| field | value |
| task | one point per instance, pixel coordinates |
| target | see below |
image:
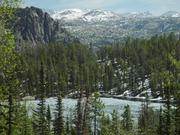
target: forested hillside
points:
(137, 66)
(66, 66)
(140, 65)
(57, 70)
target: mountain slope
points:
(171, 14)
(100, 27)
(34, 26)
(94, 15)
(68, 14)
(84, 15)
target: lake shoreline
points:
(135, 99)
(127, 98)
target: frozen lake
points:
(110, 105)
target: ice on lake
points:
(110, 105)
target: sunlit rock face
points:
(34, 26)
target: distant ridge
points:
(96, 27)
(101, 27)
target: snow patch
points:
(127, 93)
(68, 14)
(145, 93)
(176, 15)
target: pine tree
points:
(86, 117)
(40, 122)
(72, 121)
(96, 110)
(48, 116)
(177, 114)
(23, 122)
(127, 121)
(160, 126)
(115, 125)
(59, 119)
(147, 121)
(105, 125)
(176, 94)
(168, 117)
(177, 118)
(10, 67)
(79, 116)
(10, 119)
(67, 125)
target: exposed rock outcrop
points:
(34, 26)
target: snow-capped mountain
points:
(138, 14)
(95, 15)
(85, 15)
(99, 15)
(100, 27)
(171, 14)
(96, 27)
(68, 14)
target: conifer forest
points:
(134, 70)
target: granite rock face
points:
(32, 25)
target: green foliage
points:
(147, 121)
(116, 124)
(138, 65)
(96, 109)
(49, 118)
(105, 125)
(59, 128)
(9, 71)
(40, 123)
(127, 121)
(67, 66)
(53, 69)
(7, 10)
(23, 123)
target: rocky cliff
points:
(32, 25)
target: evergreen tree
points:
(40, 122)
(79, 116)
(67, 125)
(9, 70)
(175, 62)
(147, 121)
(177, 115)
(23, 123)
(168, 116)
(160, 126)
(96, 109)
(48, 116)
(115, 125)
(105, 125)
(127, 121)
(86, 117)
(59, 119)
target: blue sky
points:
(154, 6)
